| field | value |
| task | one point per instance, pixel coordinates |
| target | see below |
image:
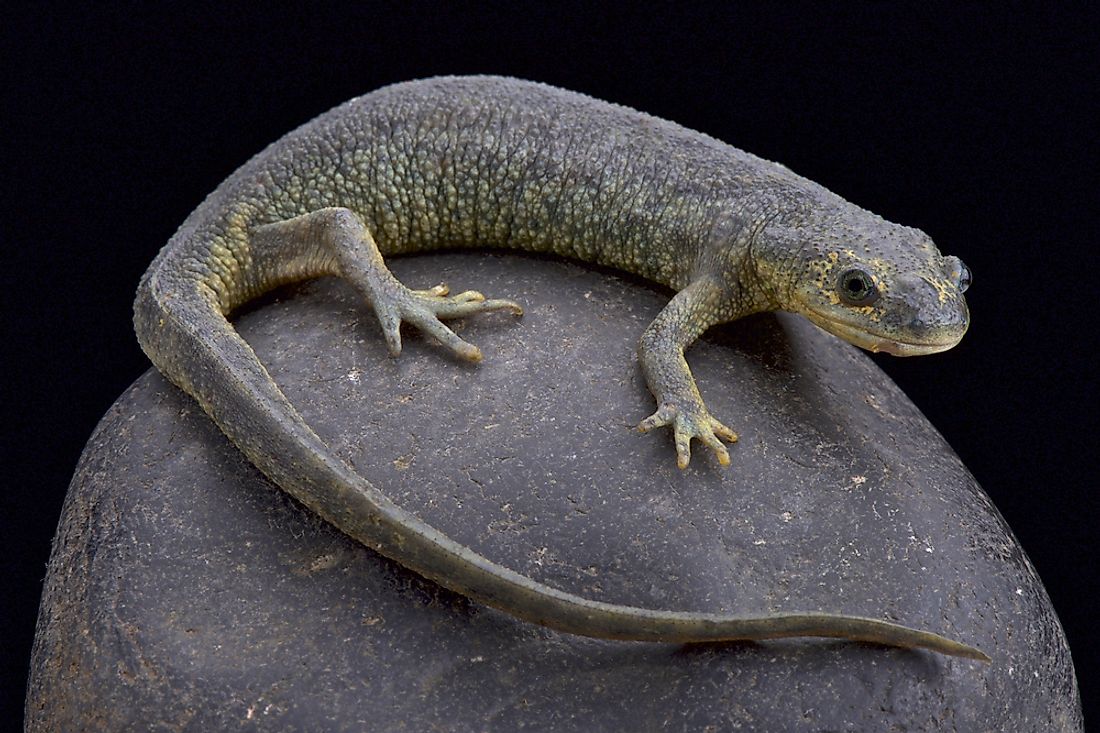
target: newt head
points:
(880, 286)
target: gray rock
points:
(187, 593)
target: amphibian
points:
(501, 163)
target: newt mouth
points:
(864, 339)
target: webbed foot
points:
(690, 419)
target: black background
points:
(970, 124)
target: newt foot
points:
(691, 420)
(426, 309)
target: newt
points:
(490, 162)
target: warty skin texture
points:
(493, 162)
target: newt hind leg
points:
(341, 237)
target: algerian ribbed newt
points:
(501, 163)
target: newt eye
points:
(856, 287)
(964, 277)
(959, 273)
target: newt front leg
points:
(692, 311)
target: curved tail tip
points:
(958, 649)
(970, 652)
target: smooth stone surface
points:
(187, 593)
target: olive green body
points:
(491, 162)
